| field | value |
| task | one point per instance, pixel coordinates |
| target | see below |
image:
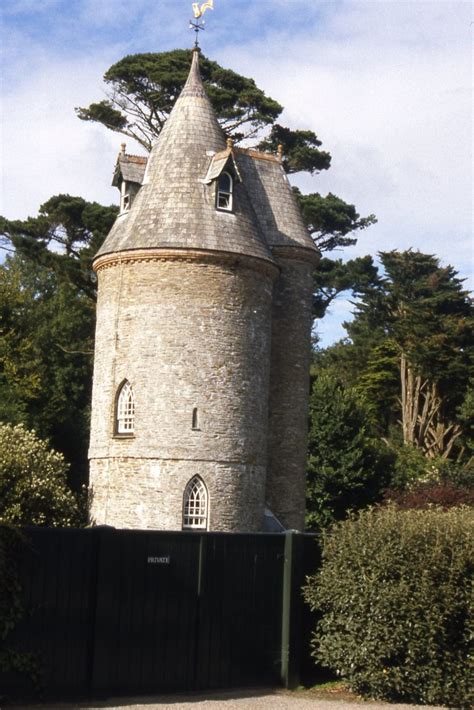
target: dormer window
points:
(224, 194)
(125, 196)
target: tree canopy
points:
(410, 350)
(64, 238)
(46, 357)
(143, 88)
(347, 466)
(329, 220)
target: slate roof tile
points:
(175, 209)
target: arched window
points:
(195, 505)
(125, 410)
(225, 189)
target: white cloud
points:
(387, 88)
(47, 149)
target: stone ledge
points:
(187, 255)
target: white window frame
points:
(125, 200)
(195, 505)
(225, 198)
(125, 410)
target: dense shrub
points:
(33, 488)
(393, 595)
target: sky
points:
(385, 84)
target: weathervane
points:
(198, 11)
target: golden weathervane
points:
(198, 11)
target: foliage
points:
(329, 220)
(46, 357)
(143, 89)
(33, 489)
(12, 607)
(64, 238)
(465, 414)
(428, 495)
(395, 603)
(415, 323)
(420, 482)
(331, 276)
(346, 467)
(47, 301)
(300, 150)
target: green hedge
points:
(394, 599)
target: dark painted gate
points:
(133, 612)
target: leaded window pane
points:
(126, 410)
(195, 505)
(224, 192)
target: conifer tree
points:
(417, 321)
(347, 466)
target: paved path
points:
(244, 700)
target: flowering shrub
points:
(443, 495)
(33, 487)
(395, 605)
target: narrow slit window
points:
(125, 419)
(195, 420)
(225, 189)
(195, 505)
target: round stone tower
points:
(201, 369)
(183, 340)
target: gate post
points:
(291, 610)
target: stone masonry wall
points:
(289, 392)
(186, 335)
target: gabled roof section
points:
(219, 162)
(130, 168)
(275, 205)
(174, 209)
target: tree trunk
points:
(422, 419)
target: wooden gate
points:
(119, 612)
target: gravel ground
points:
(243, 700)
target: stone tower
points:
(202, 353)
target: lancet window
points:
(125, 409)
(195, 505)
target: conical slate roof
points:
(175, 208)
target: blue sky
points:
(386, 85)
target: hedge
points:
(394, 603)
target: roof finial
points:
(196, 24)
(230, 143)
(122, 148)
(280, 151)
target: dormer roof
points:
(130, 168)
(220, 162)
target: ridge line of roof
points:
(128, 156)
(260, 155)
